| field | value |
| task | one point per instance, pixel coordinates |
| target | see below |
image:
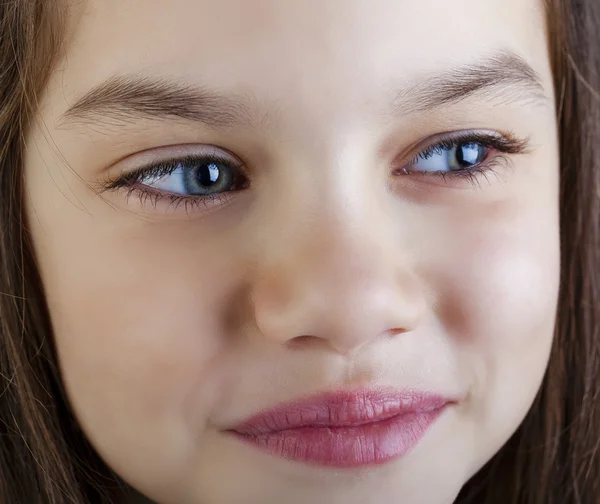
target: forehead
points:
(331, 48)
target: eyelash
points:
(505, 144)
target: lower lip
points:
(351, 446)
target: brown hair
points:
(553, 458)
(44, 458)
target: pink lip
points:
(344, 429)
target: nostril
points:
(301, 342)
(397, 331)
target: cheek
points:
(499, 307)
(140, 342)
(503, 292)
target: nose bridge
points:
(339, 250)
(333, 215)
(345, 263)
(334, 235)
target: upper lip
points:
(346, 408)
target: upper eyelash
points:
(162, 168)
(505, 144)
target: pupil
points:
(468, 154)
(208, 174)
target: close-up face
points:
(301, 251)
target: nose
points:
(337, 283)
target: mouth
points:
(344, 429)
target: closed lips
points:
(344, 429)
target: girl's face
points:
(353, 198)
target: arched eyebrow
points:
(504, 76)
(128, 98)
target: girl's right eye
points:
(191, 180)
(193, 177)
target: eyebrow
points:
(127, 98)
(504, 76)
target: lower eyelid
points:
(174, 202)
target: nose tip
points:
(344, 306)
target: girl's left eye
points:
(465, 154)
(449, 158)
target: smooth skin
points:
(331, 269)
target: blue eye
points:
(192, 177)
(195, 180)
(449, 157)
